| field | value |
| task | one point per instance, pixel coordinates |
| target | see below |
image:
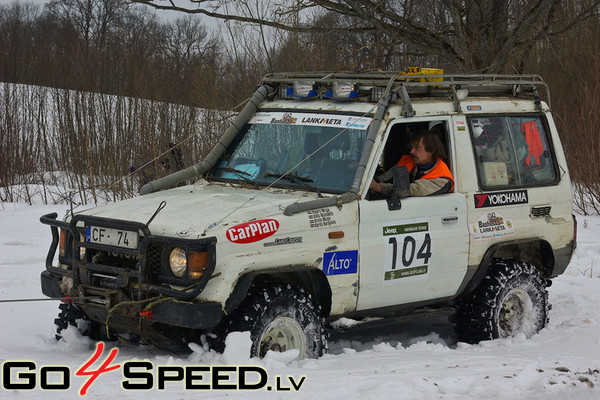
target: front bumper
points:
(127, 316)
(133, 292)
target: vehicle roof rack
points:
(409, 84)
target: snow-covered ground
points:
(410, 361)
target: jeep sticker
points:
(491, 225)
(407, 250)
(254, 231)
(340, 262)
(497, 199)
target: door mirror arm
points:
(400, 189)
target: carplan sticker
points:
(253, 231)
(491, 225)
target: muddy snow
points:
(410, 361)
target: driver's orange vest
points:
(440, 170)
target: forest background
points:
(89, 88)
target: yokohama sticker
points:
(254, 231)
(497, 199)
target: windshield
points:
(313, 151)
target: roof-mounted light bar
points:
(303, 90)
(342, 91)
(418, 82)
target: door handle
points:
(450, 220)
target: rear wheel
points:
(280, 317)
(512, 299)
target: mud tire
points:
(512, 299)
(280, 317)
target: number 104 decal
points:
(407, 250)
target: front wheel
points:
(512, 299)
(281, 317)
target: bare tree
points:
(474, 36)
(91, 19)
(571, 66)
(17, 22)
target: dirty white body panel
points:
(414, 254)
(383, 258)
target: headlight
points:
(178, 262)
(189, 264)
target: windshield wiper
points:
(296, 179)
(240, 174)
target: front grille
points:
(112, 258)
(112, 274)
(154, 258)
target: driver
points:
(429, 174)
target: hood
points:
(201, 209)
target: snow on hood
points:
(191, 209)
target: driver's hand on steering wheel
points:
(375, 186)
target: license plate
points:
(111, 237)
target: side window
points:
(398, 141)
(512, 150)
(398, 144)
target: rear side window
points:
(512, 151)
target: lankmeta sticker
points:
(253, 231)
(491, 225)
(340, 262)
(311, 119)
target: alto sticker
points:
(340, 262)
(254, 231)
(491, 225)
(501, 198)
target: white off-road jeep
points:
(279, 234)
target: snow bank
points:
(412, 361)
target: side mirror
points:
(401, 187)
